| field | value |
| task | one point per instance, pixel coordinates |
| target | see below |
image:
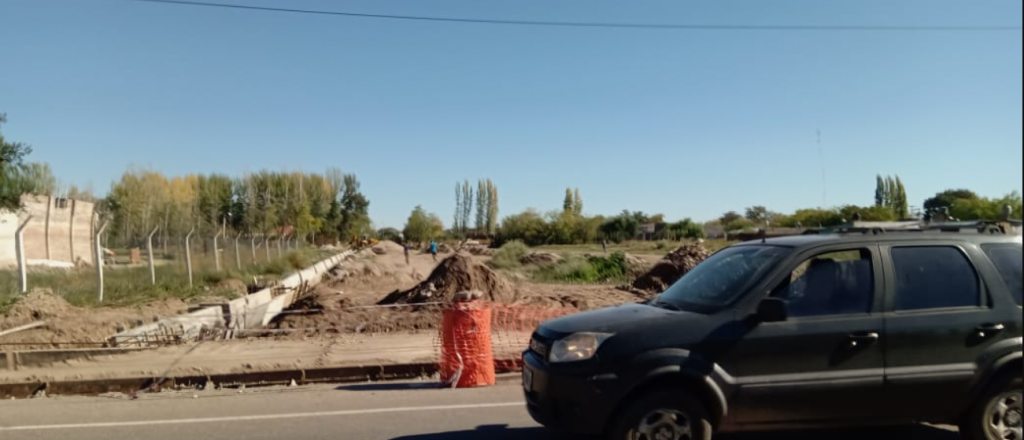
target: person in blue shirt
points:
(433, 250)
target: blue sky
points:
(687, 123)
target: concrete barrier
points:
(252, 311)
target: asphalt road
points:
(361, 412)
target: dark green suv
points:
(810, 331)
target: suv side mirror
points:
(772, 310)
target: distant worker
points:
(604, 245)
(405, 247)
(433, 250)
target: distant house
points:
(58, 230)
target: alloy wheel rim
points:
(663, 424)
(1003, 417)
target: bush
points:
(593, 269)
(298, 261)
(509, 255)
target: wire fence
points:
(186, 266)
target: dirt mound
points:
(455, 274)
(671, 268)
(68, 326)
(387, 247)
(329, 313)
(39, 304)
(541, 258)
(636, 267)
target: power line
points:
(696, 27)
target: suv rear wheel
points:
(663, 415)
(997, 416)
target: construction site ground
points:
(338, 324)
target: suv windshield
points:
(721, 279)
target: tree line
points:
(484, 200)
(310, 205)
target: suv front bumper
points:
(568, 402)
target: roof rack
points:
(978, 227)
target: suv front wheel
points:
(663, 415)
(997, 416)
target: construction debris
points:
(455, 274)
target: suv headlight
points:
(577, 347)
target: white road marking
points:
(357, 412)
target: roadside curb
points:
(325, 375)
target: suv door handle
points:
(989, 329)
(865, 338)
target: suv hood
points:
(626, 319)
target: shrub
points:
(594, 269)
(509, 255)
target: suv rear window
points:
(934, 277)
(1008, 260)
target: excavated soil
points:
(350, 305)
(458, 273)
(671, 268)
(68, 326)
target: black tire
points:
(645, 406)
(975, 425)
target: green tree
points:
(481, 206)
(12, 157)
(577, 203)
(947, 199)
(891, 194)
(492, 208)
(568, 203)
(683, 229)
(527, 226)
(457, 218)
(467, 205)
(355, 217)
(729, 217)
(813, 218)
(880, 190)
(867, 213)
(422, 226)
(902, 206)
(622, 227)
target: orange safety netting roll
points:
(467, 359)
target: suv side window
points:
(835, 283)
(1007, 258)
(934, 277)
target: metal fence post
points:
(280, 253)
(19, 248)
(216, 249)
(99, 259)
(238, 254)
(188, 255)
(266, 245)
(252, 247)
(149, 249)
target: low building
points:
(60, 230)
